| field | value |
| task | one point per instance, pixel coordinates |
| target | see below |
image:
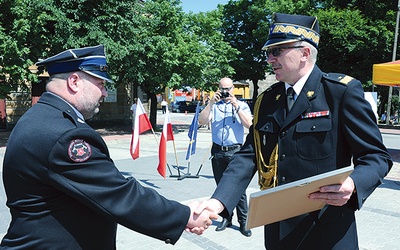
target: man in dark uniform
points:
(63, 190)
(323, 123)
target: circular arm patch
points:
(79, 150)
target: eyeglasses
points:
(278, 50)
(226, 89)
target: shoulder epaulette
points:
(338, 77)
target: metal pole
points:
(393, 59)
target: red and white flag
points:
(167, 135)
(142, 124)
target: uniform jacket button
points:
(283, 156)
(168, 241)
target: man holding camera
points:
(228, 117)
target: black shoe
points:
(224, 223)
(243, 230)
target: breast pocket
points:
(314, 139)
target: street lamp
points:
(393, 59)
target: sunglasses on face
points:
(278, 50)
(226, 89)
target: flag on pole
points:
(142, 124)
(192, 134)
(167, 135)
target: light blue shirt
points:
(226, 126)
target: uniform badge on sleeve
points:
(79, 150)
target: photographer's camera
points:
(224, 94)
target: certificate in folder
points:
(290, 200)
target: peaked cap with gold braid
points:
(293, 28)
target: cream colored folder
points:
(289, 200)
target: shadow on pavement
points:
(395, 153)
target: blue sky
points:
(201, 5)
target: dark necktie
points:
(290, 98)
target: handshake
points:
(202, 214)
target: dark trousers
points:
(164, 109)
(219, 163)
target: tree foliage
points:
(360, 33)
(151, 44)
(246, 27)
(217, 53)
(355, 34)
(350, 43)
(15, 57)
(173, 50)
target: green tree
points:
(174, 51)
(38, 29)
(350, 43)
(212, 55)
(355, 34)
(154, 45)
(376, 21)
(15, 49)
(245, 26)
(151, 44)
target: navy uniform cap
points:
(288, 28)
(91, 60)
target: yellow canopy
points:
(386, 73)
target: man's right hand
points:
(213, 205)
(199, 221)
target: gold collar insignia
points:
(310, 94)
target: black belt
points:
(227, 148)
